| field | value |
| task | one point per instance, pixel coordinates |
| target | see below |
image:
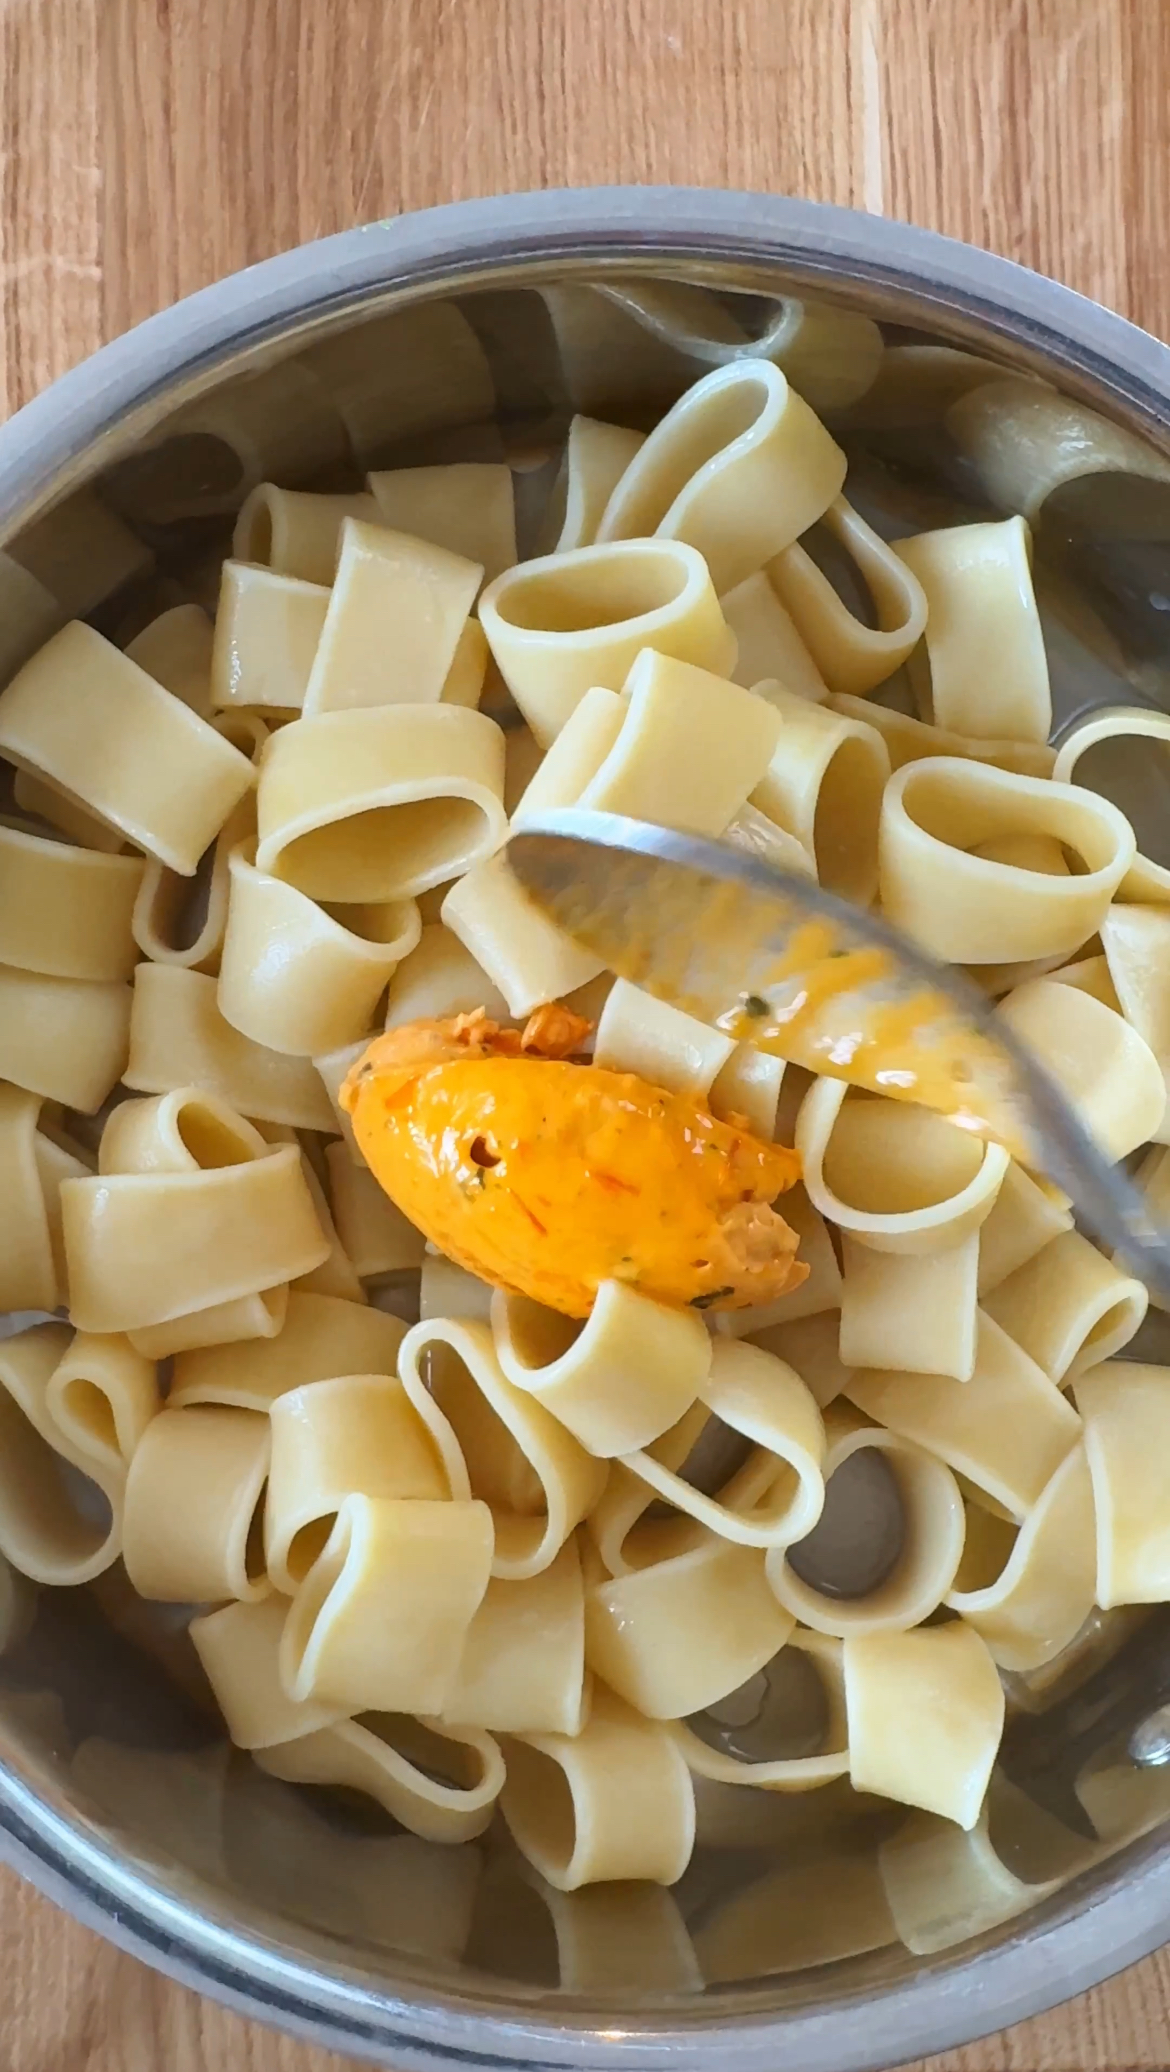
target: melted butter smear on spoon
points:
(768, 957)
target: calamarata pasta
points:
(549, 1408)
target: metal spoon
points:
(712, 930)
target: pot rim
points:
(62, 437)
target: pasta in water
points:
(546, 1407)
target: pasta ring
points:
(756, 1395)
(782, 1773)
(381, 802)
(631, 1805)
(395, 1762)
(677, 1635)
(1037, 1599)
(44, 1532)
(297, 978)
(852, 657)
(1143, 880)
(505, 1446)
(739, 469)
(958, 905)
(563, 624)
(932, 1543)
(948, 1180)
(380, 1620)
(193, 1496)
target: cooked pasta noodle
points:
(753, 1393)
(167, 924)
(912, 740)
(193, 1503)
(1007, 1429)
(467, 508)
(522, 1669)
(691, 748)
(622, 1792)
(376, 1236)
(824, 786)
(969, 909)
(102, 1396)
(622, 1527)
(1023, 1219)
(87, 718)
(770, 647)
(562, 624)
(925, 1714)
(447, 1290)
(912, 1311)
(1125, 1409)
(891, 1174)
(295, 533)
(1068, 1307)
(659, 1043)
(176, 649)
(440, 977)
(1143, 879)
(616, 1382)
(537, 1479)
(1136, 940)
(336, 1275)
(380, 1620)
(244, 1228)
(379, 804)
(574, 758)
(437, 1781)
(1096, 1058)
(178, 1037)
(267, 631)
(1025, 440)
(748, 1087)
(812, 1347)
(28, 1269)
(852, 657)
(674, 1637)
(50, 802)
(48, 1529)
(358, 1433)
(298, 978)
(932, 1530)
(239, 1647)
(396, 610)
(65, 911)
(63, 1038)
(1153, 1180)
(987, 672)
(527, 958)
(739, 469)
(821, 1657)
(1029, 1592)
(596, 456)
(322, 1336)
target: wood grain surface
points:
(151, 145)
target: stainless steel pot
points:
(468, 332)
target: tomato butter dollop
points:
(548, 1176)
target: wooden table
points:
(151, 145)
